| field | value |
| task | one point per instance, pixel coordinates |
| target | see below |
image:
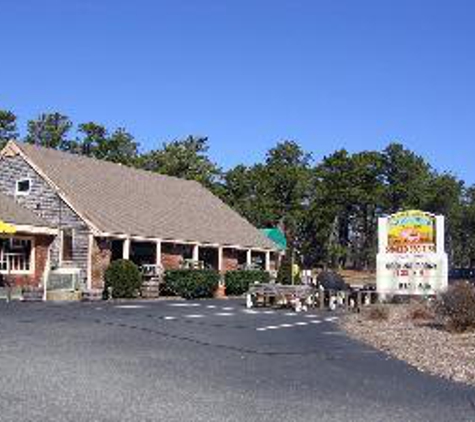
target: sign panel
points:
(411, 232)
(411, 257)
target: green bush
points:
(237, 282)
(124, 278)
(457, 307)
(192, 284)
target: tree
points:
(407, 178)
(246, 189)
(92, 136)
(186, 158)
(119, 147)
(49, 130)
(8, 127)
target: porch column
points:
(248, 257)
(158, 252)
(90, 260)
(220, 259)
(267, 261)
(196, 253)
(126, 249)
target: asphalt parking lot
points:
(204, 361)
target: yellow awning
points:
(6, 228)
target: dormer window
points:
(23, 186)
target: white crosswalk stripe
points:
(298, 324)
(331, 319)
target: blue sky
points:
(329, 74)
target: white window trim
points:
(25, 179)
(31, 271)
(61, 238)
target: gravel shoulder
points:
(422, 344)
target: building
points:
(89, 212)
(25, 241)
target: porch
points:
(169, 254)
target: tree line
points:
(328, 209)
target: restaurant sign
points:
(411, 258)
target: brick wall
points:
(42, 244)
(173, 255)
(230, 260)
(100, 260)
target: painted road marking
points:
(281, 326)
(211, 306)
(184, 305)
(228, 308)
(224, 314)
(130, 306)
(169, 318)
(331, 319)
(194, 316)
(311, 316)
(290, 314)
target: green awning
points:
(277, 236)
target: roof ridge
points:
(71, 155)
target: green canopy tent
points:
(277, 236)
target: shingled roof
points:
(120, 200)
(13, 213)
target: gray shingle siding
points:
(46, 203)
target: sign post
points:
(411, 258)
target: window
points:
(15, 255)
(67, 245)
(23, 186)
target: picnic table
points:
(273, 294)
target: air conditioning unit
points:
(64, 279)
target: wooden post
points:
(126, 249)
(249, 257)
(158, 253)
(322, 299)
(267, 261)
(220, 259)
(196, 253)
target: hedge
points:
(192, 284)
(237, 282)
(124, 278)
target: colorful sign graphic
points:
(411, 232)
(6, 228)
(411, 258)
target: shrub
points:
(284, 273)
(378, 313)
(237, 282)
(420, 312)
(124, 278)
(192, 284)
(457, 307)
